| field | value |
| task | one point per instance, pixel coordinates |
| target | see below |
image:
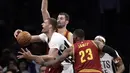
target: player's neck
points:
(80, 40)
(62, 30)
(102, 54)
(50, 33)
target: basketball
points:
(24, 38)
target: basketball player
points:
(86, 54)
(57, 42)
(62, 19)
(107, 60)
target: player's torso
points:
(86, 56)
(56, 37)
(67, 63)
(106, 62)
(63, 45)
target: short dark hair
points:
(79, 33)
(53, 22)
(66, 15)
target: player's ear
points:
(77, 38)
(66, 22)
(50, 26)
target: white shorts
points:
(68, 68)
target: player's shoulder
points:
(57, 37)
(107, 55)
(70, 33)
(43, 35)
(81, 42)
(88, 41)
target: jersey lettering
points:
(62, 48)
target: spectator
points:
(1, 69)
(6, 56)
(23, 66)
(12, 65)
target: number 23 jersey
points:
(86, 56)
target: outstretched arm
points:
(105, 48)
(119, 64)
(44, 7)
(64, 55)
(34, 38)
(28, 55)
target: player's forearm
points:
(32, 57)
(65, 54)
(120, 68)
(44, 5)
(59, 59)
(44, 57)
(50, 63)
(44, 10)
(47, 57)
(35, 38)
(54, 61)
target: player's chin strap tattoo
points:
(109, 50)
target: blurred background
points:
(109, 18)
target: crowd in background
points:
(10, 64)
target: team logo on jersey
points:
(62, 47)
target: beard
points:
(60, 25)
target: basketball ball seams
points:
(24, 38)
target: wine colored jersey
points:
(86, 57)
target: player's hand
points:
(17, 32)
(117, 60)
(25, 54)
(39, 60)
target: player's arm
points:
(38, 38)
(105, 48)
(44, 57)
(34, 38)
(61, 58)
(28, 55)
(65, 53)
(119, 64)
(44, 7)
(70, 38)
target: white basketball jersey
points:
(59, 42)
(106, 62)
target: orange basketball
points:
(24, 38)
